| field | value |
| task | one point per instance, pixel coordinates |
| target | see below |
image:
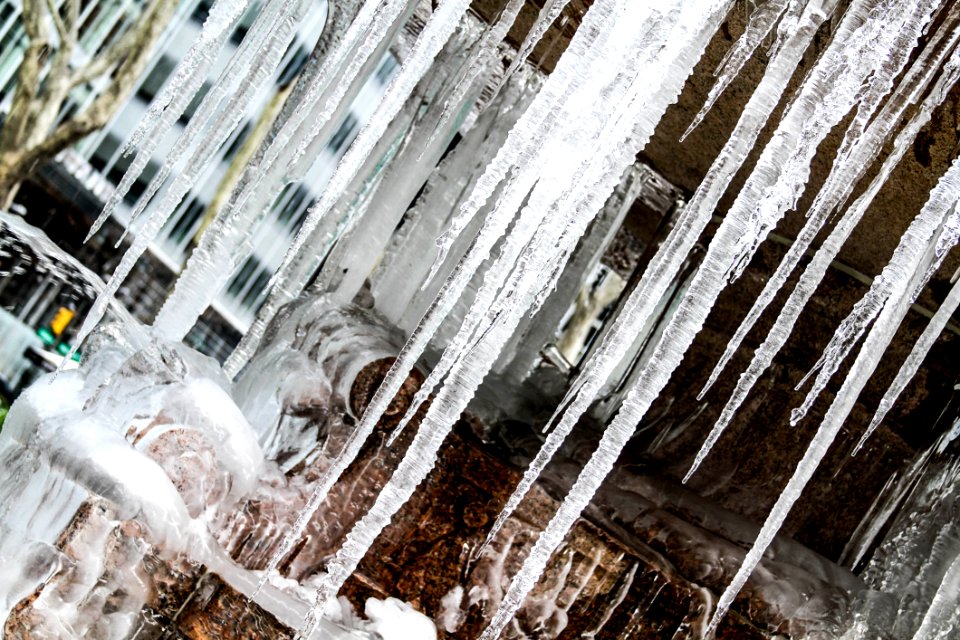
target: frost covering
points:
(507, 208)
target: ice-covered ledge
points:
(137, 461)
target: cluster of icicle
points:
(625, 65)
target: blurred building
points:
(68, 194)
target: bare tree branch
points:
(106, 59)
(28, 138)
(58, 23)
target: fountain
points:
(451, 411)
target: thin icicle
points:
(549, 13)
(937, 211)
(913, 267)
(174, 98)
(813, 274)
(691, 38)
(558, 87)
(480, 66)
(225, 243)
(910, 366)
(762, 21)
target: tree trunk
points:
(30, 136)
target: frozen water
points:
(100, 436)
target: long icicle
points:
(537, 122)
(816, 110)
(454, 395)
(229, 234)
(906, 270)
(813, 274)
(539, 119)
(520, 236)
(669, 259)
(174, 98)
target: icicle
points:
(815, 271)
(912, 267)
(914, 360)
(823, 100)
(442, 22)
(943, 605)
(265, 45)
(942, 203)
(275, 47)
(549, 13)
(480, 65)
(225, 242)
(761, 22)
(174, 98)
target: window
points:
(239, 281)
(237, 142)
(298, 222)
(194, 104)
(137, 189)
(201, 11)
(154, 81)
(339, 139)
(293, 66)
(102, 155)
(290, 202)
(256, 289)
(187, 221)
(385, 70)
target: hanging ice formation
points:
(916, 82)
(566, 152)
